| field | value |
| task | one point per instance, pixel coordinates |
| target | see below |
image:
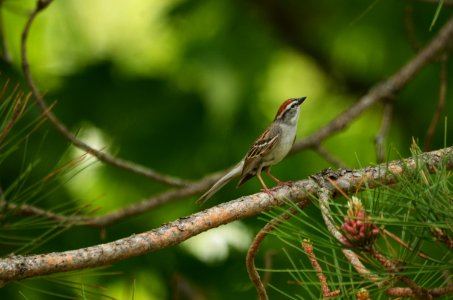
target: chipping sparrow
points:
(269, 149)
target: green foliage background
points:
(184, 87)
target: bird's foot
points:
(286, 183)
(281, 183)
(267, 191)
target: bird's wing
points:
(262, 146)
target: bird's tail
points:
(236, 171)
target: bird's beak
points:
(300, 100)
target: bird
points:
(269, 148)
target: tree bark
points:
(20, 267)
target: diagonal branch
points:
(60, 127)
(384, 90)
(329, 156)
(20, 267)
(150, 203)
(30, 210)
(120, 214)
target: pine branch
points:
(20, 267)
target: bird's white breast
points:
(283, 146)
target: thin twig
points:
(419, 292)
(407, 292)
(101, 156)
(150, 203)
(409, 26)
(259, 238)
(383, 130)
(20, 267)
(30, 210)
(182, 288)
(268, 266)
(440, 103)
(324, 196)
(329, 157)
(363, 271)
(384, 90)
(121, 214)
(326, 292)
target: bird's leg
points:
(268, 172)
(265, 188)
